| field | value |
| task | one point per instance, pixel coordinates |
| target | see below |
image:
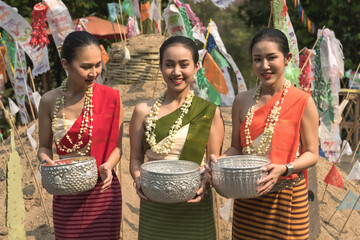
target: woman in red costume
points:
(83, 118)
(279, 121)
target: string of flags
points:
(310, 25)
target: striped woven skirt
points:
(278, 215)
(177, 221)
(89, 215)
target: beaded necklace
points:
(169, 142)
(86, 123)
(269, 125)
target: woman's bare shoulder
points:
(244, 96)
(50, 97)
(143, 108)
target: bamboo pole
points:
(159, 26)
(357, 200)
(28, 159)
(271, 13)
(307, 59)
(322, 199)
(357, 69)
(32, 80)
(331, 216)
(348, 139)
(122, 18)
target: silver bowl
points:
(170, 181)
(237, 176)
(69, 175)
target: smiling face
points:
(85, 67)
(269, 62)
(178, 68)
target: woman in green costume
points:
(177, 125)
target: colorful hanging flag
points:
(283, 23)
(128, 8)
(355, 172)
(219, 43)
(311, 27)
(349, 201)
(132, 27)
(59, 21)
(136, 8)
(13, 107)
(2, 67)
(321, 152)
(197, 34)
(195, 21)
(145, 11)
(334, 178)
(20, 30)
(104, 56)
(114, 11)
(219, 59)
(174, 22)
(214, 75)
(203, 84)
(155, 15)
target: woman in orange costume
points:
(83, 118)
(279, 121)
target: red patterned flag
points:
(334, 178)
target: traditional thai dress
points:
(91, 214)
(282, 214)
(181, 221)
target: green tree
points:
(337, 15)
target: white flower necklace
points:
(169, 142)
(86, 122)
(269, 125)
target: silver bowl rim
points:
(80, 160)
(172, 161)
(263, 159)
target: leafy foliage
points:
(337, 15)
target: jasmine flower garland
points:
(169, 142)
(269, 125)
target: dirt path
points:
(36, 224)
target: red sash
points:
(285, 140)
(105, 124)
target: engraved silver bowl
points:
(170, 181)
(237, 176)
(69, 175)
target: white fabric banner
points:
(197, 34)
(36, 97)
(20, 30)
(355, 172)
(29, 134)
(174, 22)
(240, 79)
(13, 107)
(59, 21)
